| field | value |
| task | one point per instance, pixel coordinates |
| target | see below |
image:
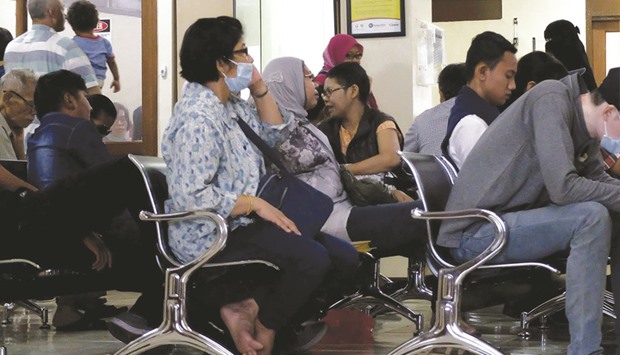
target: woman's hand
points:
(401, 196)
(257, 85)
(103, 257)
(271, 214)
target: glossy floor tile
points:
(349, 333)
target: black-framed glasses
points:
(352, 56)
(28, 102)
(242, 51)
(328, 92)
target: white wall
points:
(7, 15)
(166, 62)
(303, 32)
(533, 17)
(392, 63)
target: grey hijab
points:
(285, 78)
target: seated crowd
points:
(523, 135)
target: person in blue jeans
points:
(538, 166)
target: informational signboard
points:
(103, 29)
(376, 18)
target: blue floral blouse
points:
(210, 163)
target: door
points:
(606, 46)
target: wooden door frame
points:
(600, 27)
(148, 144)
(597, 11)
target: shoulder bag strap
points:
(268, 152)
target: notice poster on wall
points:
(103, 29)
(376, 18)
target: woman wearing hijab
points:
(308, 154)
(341, 48)
(564, 44)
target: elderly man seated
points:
(16, 111)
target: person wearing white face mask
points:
(610, 90)
(213, 165)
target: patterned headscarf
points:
(335, 53)
(285, 78)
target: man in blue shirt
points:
(67, 141)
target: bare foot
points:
(266, 337)
(239, 319)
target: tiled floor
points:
(347, 335)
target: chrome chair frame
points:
(446, 331)
(19, 169)
(174, 328)
(42, 312)
(554, 305)
(370, 294)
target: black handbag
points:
(308, 207)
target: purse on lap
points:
(303, 204)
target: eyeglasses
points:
(351, 56)
(30, 103)
(328, 92)
(242, 51)
(309, 76)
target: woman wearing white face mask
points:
(212, 165)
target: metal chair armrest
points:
(20, 261)
(491, 251)
(525, 264)
(218, 244)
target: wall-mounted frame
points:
(376, 18)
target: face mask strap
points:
(605, 125)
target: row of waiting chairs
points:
(434, 177)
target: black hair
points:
(351, 73)
(488, 48)
(564, 44)
(205, 42)
(451, 79)
(5, 38)
(51, 88)
(597, 97)
(101, 103)
(83, 16)
(536, 66)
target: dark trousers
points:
(304, 264)
(52, 223)
(389, 227)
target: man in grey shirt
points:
(429, 128)
(539, 167)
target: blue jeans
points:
(583, 228)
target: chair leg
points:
(174, 329)
(370, 294)
(42, 312)
(541, 311)
(3, 351)
(446, 331)
(416, 287)
(8, 309)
